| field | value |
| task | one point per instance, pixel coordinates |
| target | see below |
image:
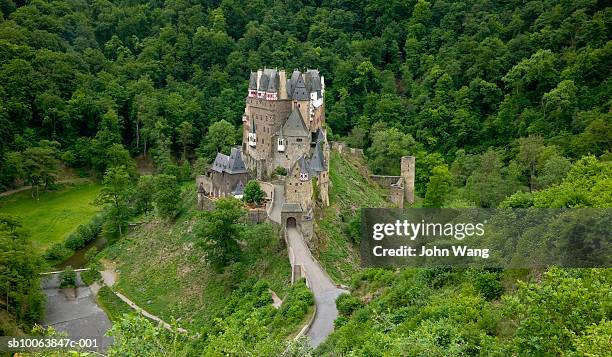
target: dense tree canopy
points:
(455, 75)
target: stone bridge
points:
(304, 265)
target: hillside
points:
(162, 268)
(337, 227)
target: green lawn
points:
(56, 215)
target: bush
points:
(253, 193)
(85, 233)
(280, 171)
(90, 276)
(488, 285)
(340, 321)
(90, 255)
(74, 241)
(68, 278)
(347, 303)
(57, 252)
(296, 304)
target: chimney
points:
(259, 73)
(282, 77)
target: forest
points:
(453, 83)
(503, 104)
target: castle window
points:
(299, 140)
(281, 145)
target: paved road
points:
(324, 290)
(277, 205)
(78, 317)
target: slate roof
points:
(263, 81)
(299, 91)
(292, 82)
(268, 82)
(317, 162)
(305, 167)
(239, 189)
(319, 135)
(273, 80)
(294, 126)
(291, 207)
(313, 80)
(231, 164)
(253, 81)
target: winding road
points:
(324, 290)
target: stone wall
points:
(269, 116)
(297, 191)
(206, 181)
(307, 229)
(295, 147)
(223, 183)
(205, 203)
(343, 148)
(257, 215)
(397, 196)
(385, 181)
(267, 188)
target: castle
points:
(283, 127)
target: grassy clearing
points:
(351, 190)
(56, 214)
(164, 271)
(114, 307)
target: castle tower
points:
(407, 173)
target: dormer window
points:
(281, 145)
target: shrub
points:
(68, 278)
(488, 285)
(296, 304)
(340, 321)
(253, 193)
(90, 276)
(57, 252)
(85, 233)
(74, 241)
(353, 229)
(90, 255)
(347, 303)
(280, 171)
